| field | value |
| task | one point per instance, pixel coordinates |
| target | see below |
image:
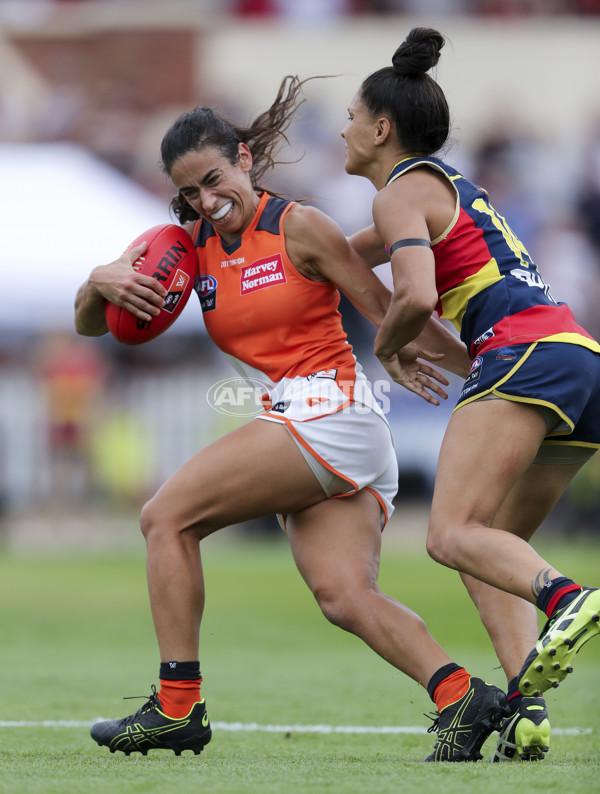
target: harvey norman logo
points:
(262, 273)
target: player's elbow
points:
(86, 327)
(89, 316)
(414, 308)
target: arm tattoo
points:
(543, 579)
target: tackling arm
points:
(318, 248)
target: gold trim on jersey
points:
(495, 389)
(573, 339)
(548, 442)
(454, 301)
(450, 179)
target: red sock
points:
(178, 697)
(451, 689)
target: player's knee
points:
(337, 613)
(438, 545)
(339, 605)
(159, 520)
(146, 519)
(151, 518)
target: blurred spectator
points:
(294, 10)
(588, 197)
(312, 10)
(72, 375)
(569, 265)
(437, 7)
(512, 165)
(253, 8)
(122, 458)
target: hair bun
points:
(419, 52)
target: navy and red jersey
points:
(488, 285)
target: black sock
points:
(513, 687)
(513, 694)
(552, 598)
(439, 676)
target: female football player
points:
(528, 416)
(321, 453)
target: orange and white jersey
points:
(267, 317)
(284, 329)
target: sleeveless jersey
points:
(266, 316)
(488, 286)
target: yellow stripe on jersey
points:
(513, 242)
(573, 339)
(454, 301)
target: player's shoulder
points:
(304, 219)
(412, 191)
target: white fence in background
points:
(167, 415)
(153, 423)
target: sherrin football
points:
(171, 259)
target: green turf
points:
(76, 636)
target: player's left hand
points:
(409, 368)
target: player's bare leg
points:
(499, 487)
(336, 545)
(486, 449)
(254, 471)
(511, 622)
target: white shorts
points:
(347, 443)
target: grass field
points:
(76, 636)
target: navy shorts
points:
(562, 379)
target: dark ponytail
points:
(409, 96)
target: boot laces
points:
(152, 704)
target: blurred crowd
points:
(336, 8)
(552, 202)
(328, 9)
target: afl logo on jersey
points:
(475, 370)
(206, 287)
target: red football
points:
(171, 259)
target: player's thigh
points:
(337, 543)
(487, 447)
(533, 496)
(253, 471)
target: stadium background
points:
(88, 428)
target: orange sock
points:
(451, 689)
(178, 697)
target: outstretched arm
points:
(319, 250)
(368, 244)
(435, 336)
(317, 247)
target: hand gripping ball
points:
(171, 259)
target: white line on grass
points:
(253, 727)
